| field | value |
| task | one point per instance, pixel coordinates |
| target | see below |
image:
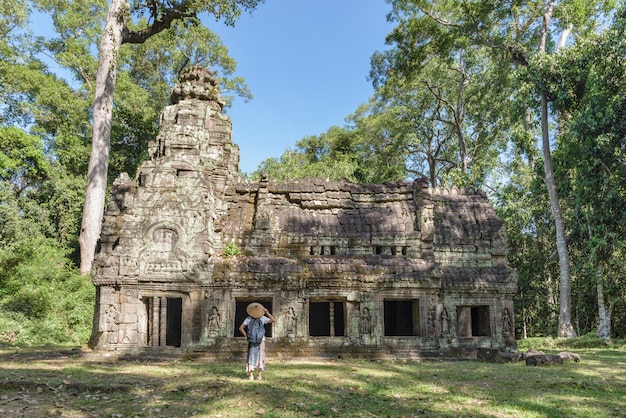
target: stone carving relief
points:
(214, 322)
(165, 241)
(290, 322)
(263, 219)
(365, 323)
(431, 320)
(112, 328)
(445, 322)
(508, 333)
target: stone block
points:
(543, 360)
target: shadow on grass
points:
(49, 383)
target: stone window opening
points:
(393, 250)
(241, 314)
(473, 321)
(164, 321)
(402, 318)
(323, 250)
(183, 173)
(327, 318)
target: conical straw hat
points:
(255, 310)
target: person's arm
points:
(270, 316)
(242, 330)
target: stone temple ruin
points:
(395, 269)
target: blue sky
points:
(306, 63)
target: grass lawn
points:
(65, 383)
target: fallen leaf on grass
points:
(260, 411)
(316, 412)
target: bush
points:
(43, 298)
(587, 341)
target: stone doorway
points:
(164, 321)
(327, 318)
(241, 314)
(402, 318)
(473, 321)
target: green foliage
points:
(22, 159)
(588, 85)
(232, 250)
(587, 341)
(364, 153)
(43, 298)
(522, 204)
(449, 87)
(13, 16)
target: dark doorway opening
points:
(327, 319)
(473, 321)
(173, 321)
(164, 321)
(402, 318)
(241, 314)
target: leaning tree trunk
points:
(101, 135)
(565, 309)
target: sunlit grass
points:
(38, 385)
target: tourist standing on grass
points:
(253, 328)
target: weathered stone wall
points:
(348, 269)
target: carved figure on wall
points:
(290, 322)
(507, 327)
(214, 322)
(111, 324)
(427, 223)
(445, 322)
(365, 323)
(263, 220)
(164, 242)
(431, 321)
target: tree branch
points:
(438, 19)
(176, 12)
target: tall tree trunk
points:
(565, 328)
(604, 325)
(604, 314)
(565, 309)
(101, 135)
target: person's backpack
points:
(256, 331)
